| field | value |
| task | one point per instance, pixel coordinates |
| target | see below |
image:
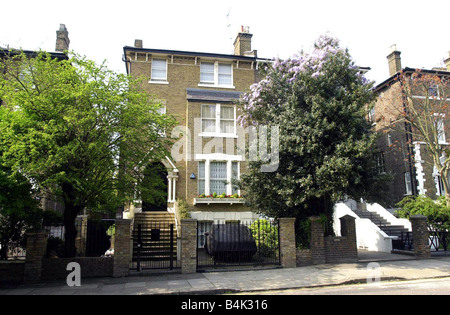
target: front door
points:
(154, 188)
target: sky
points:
(100, 29)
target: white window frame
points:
(215, 83)
(158, 81)
(408, 184)
(219, 157)
(217, 132)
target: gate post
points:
(122, 251)
(317, 242)
(188, 245)
(288, 251)
(420, 236)
(36, 250)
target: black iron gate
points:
(236, 243)
(154, 246)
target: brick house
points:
(400, 154)
(199, 89)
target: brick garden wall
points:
(330, 249)
(11, 272)
(90, 267)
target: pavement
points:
(371, 267)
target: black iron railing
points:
(238, 244)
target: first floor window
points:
(219, 119)
(209, 118)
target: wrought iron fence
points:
(14, 251)
(237, 243)
(94, 238)
(439, 240)
(404, 242)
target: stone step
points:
(383, 224)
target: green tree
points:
(79, 131)
(19, 209)
(319, 102)
(436, 211)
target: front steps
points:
(391, 230)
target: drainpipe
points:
(124, 59)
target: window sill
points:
(217, 86)
(158, 82)
(209, 201)
(217, 135)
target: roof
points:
(31, 53)
(389, 80)
(189, 53)
(200, 95)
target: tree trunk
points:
(445, 185)
(71, 210)
(3, 251)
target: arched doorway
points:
(154, 188)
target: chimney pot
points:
(394, 61)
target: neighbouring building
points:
(401, 153)
(199, 89)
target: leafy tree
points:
(265, 235)
(436, 211)
(78, 131)
(319, 101)
(19, 209)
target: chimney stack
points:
(447, 62)
(138, 43)
(62, 38)
(243, 43)
(394, 60)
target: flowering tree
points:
(319, 101)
